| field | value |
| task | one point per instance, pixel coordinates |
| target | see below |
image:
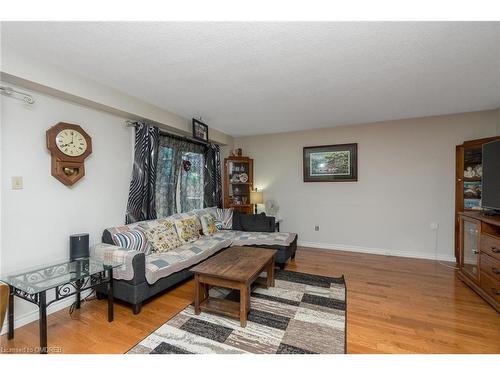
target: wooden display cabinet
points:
(468, 182)
(238, 183)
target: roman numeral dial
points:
(71, 142)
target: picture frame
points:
(331, 163)
(200, 130)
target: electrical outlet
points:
(434, 226)
(16, 183)
(316, 228)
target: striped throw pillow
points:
(224, 218)
(133, 239)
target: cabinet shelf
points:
(234, 166)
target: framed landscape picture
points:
(333, 163)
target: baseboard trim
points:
(376, 251)
(33, 315)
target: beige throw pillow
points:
(208, 224)
(187, 229)
(163, 237)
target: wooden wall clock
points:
(69, 145)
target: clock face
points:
(71, 142)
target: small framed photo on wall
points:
(200, 130)
(333, 163)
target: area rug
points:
(302, 313)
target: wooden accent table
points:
(235, 268)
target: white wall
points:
(406, 181)
(37, 221)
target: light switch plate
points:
(16, 182)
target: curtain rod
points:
(131, 123)
(9, 91)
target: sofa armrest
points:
(134, 262)
(253, 223)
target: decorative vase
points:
(4, 299)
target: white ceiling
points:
(255, 78)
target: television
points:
(491, 178)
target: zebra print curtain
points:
(213, 177)
(141, 201)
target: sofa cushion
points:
(223, 235)
(141, 225)
(133, 239)
(115, 254)
(253, 223)
(187, 229)
(240, 238)
(163, 237)
(224, 218)
(159, 265)
(187, 215)
(204, 211)
(208, 224)
(144, 225)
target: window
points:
(165, 182)
(178, 190)
(190, 184)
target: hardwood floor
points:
(395, 305)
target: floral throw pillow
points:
(208, 224)
(187, 229)
(163, 237)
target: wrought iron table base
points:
(61, 292)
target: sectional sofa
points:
(144, 274)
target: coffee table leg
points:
(244, 303)
(248, 299)
(197, 287)
(206, 290)
(270, 274)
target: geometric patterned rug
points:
(302, 313)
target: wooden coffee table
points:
(235, 268)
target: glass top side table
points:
(66, 278)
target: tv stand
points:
(491, 213)
(468, 155)
(479, 245)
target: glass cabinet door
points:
(472, 179)
(469, 257)
(239, 183)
